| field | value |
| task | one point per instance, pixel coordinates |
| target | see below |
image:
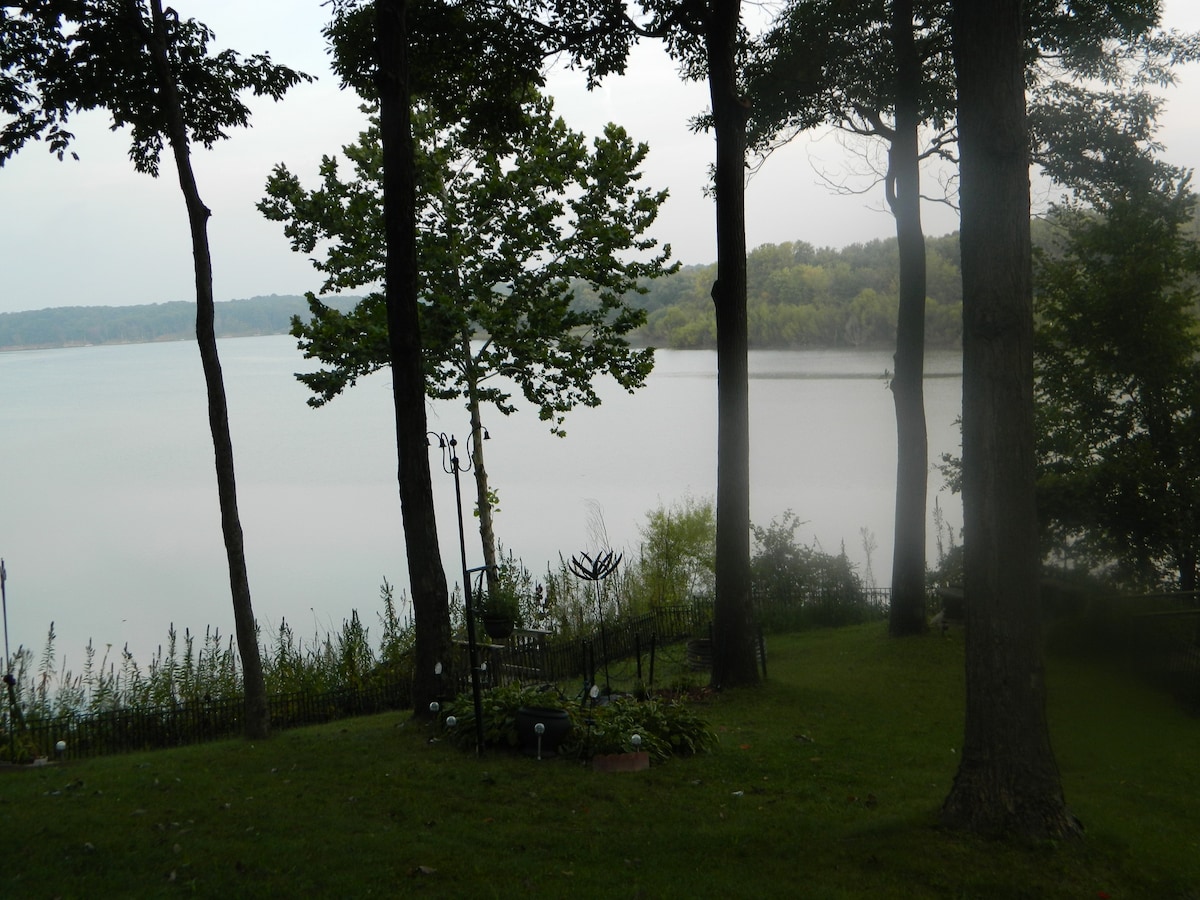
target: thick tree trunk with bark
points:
(1007, 781)
(483, 499)
(734, 661)
(907, 614)
(258, 718)
(427, 579)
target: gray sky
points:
(94, 232)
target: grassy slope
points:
(826, 784)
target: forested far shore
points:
(84, 326)
(799, 296)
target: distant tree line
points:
(77, 326)
(802, 296)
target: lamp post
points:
(452, 465)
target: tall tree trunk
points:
(907, 614)
(734, 661)
(258, 717)
(427, 579)
(1007, 781)
(483, 499)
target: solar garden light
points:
(539, 729)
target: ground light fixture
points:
(539, 729)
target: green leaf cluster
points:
(1118, 379)
(677, 559)
(666, 727)
(506, 239)
(61, 57)
(803, 586)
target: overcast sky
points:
(94, 233)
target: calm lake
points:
(108, 512)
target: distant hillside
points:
(81, 326)
(798, 296)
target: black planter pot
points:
(498, 627)
(557, 725)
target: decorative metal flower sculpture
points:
(596, 570)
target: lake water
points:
(108, 513)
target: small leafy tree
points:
(154, 74)
(510, 242)
(1118, 365)
(677, 558)
(799, 585)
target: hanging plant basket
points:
(498, 627)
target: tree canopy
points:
(62, 57)
(505, 242)
(1118, 363)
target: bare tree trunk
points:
(427, 579)
(258, 717)
(1008, 780)
(907, 614)
(483, 499)
(734, 661)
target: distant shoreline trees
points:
(84, 326)
(800, 297)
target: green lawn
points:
(826, 784)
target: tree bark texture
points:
(483, 498)
(907, 614)
(427, 579)
(258, 717)
(1007, 781)
(734, 660)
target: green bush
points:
(799, 586)
(667, 728)
(499, 706)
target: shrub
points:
(499, 706)
(799, 586)
(667, 728)
(677, 559)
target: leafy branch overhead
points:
(49, 72)
(525, 260)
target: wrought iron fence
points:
(529, 656)
(128, 730)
